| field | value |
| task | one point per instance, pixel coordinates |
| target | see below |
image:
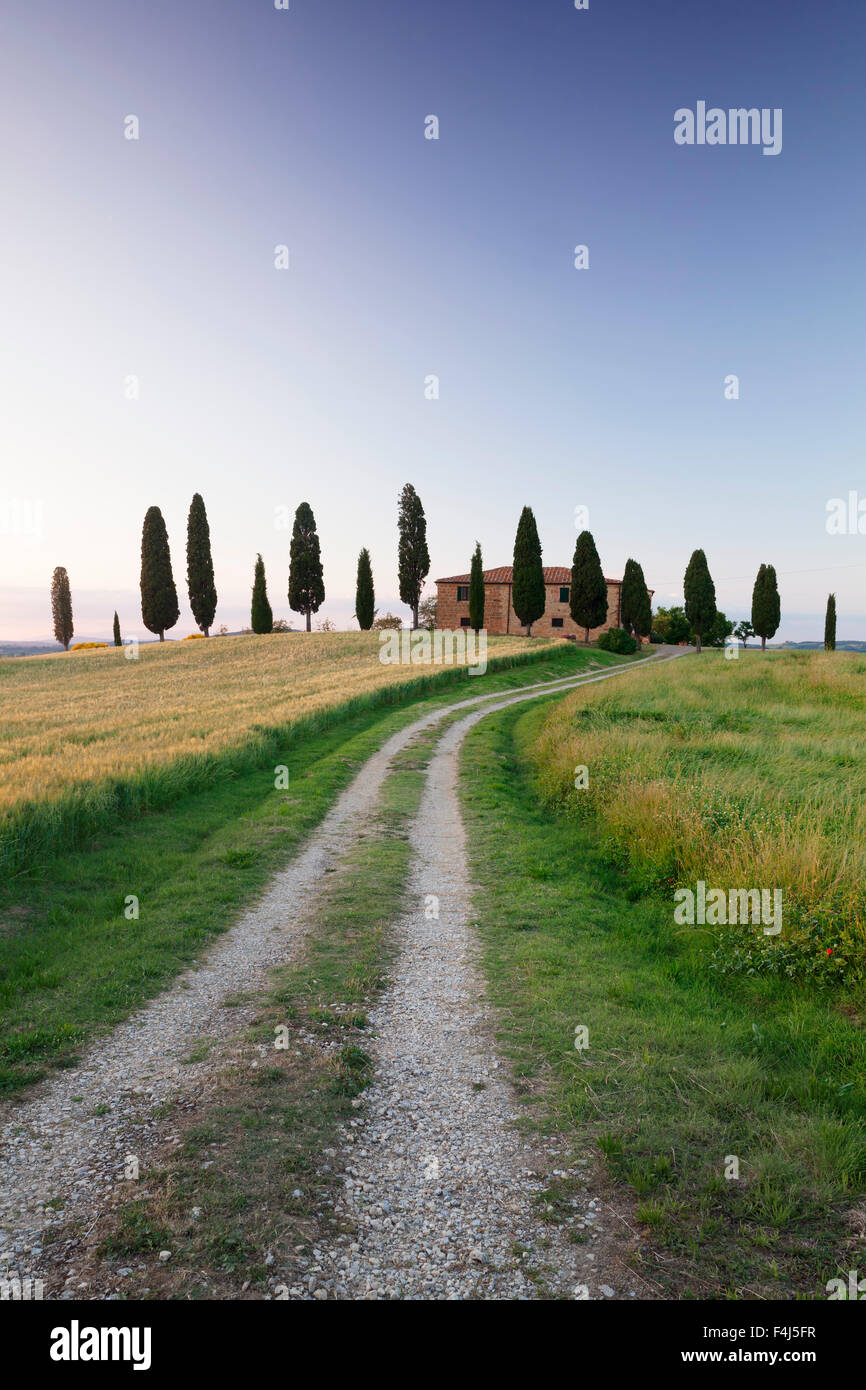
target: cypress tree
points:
(261, 616)
(527, 593)
(700, 595)
(588, 596)
(159, 609)
(306, 582)
(117, 638)
(199, 566)
(476, 590)
(766, 608)
(365, 598)
(413, 558)
(61, 607)
(830, 624)
(635, 605)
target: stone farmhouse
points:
(452, 609)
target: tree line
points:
(160, 609)
(588, 601)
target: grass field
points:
(91, 737)
(685, 1066)
(746, 773)
(71, 965)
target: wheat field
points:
(68, 719)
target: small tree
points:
(700, 595)
(476, 590)
(720, 629)
(199, 566)
(365, 598)
(61, 607)
(159, 609)
(744, 631)
(528, 594)
(427, 610)
(306, 582)
(635, 606)
(830, 624)
(588, 593)
(118, 641)
(261, 613)
(387, 621)
(413, 558)
(672, 625)
(766, 608)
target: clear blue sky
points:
(558, 388)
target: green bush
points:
(616, 639)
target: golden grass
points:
(88, 716)
(747, 773)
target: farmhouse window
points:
(556, 622)
(564, 593)
(462, 593)
(464, 622)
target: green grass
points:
(742, 773)
(270, 1185)
(71, 964)
(683, 1067)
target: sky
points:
(601, 388)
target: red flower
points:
(829, 950)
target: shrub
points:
(86, 646)
(195, 637)
(616, 639)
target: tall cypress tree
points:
(700, 595)
(413, 558)
(635, 605)
(527, 592)
(766, 607)
(476, 590)
(365, 598)
(61, 607)
(261, 615)
(588, 597)
(159, 609)
(199, 566)
(118, 641)
(306, 581)
(830, 624)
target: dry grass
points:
(87, 716)
(747, 773)
(92, 738)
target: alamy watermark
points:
(423, 647)
(22, 516)
(715, 908)
(838, 1289)
(846, 516)
(736, 126)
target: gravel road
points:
(437, 1175)
(443, 1188)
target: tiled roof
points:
(553, 574)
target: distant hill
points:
(819, 646)
(28, 648)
